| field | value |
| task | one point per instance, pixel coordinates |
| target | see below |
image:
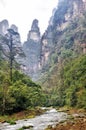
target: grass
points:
(11, 122)
(20, 129)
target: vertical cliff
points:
(34, 33)
(66, 30)
(64, 37)
(63, 40)
(32, 50)
(5, 40)
(4, 25)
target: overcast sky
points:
(22, 12)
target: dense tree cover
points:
(17, 91)
(19, 94)
(74, 74)
(15, 87)
(67, 83)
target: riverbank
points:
(45, 119)
(78, 124)
(41, 122)
(26, 114)
(76, 121)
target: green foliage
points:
(0, 53)
(81, 103)
(67, 83)
(20, 129)
(11, 122)
(75, 82)
(71, 98)
(65, 53)
(25, 93)
(19, 94)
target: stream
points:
(50, 117)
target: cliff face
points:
(5, 40)
(69, 16)
(63, 41)
(64, 37)
(4, 25)
(32, 50)
(34, 33)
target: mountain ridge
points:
(65, 35)
(57, 59)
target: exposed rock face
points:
(66, 12)
(39, 52)
(46, 45)
(16, 42)
(17, 37)
(14, 27)
(32, 50)
(34, 33)
(68, 41)
(65, 31)
(4, 25)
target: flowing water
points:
(51, 117)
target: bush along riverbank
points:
(26, 114)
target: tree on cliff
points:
(9, 47)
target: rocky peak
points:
(16, 37)
(14, 27)
(4, 25)
(32, 50)
(5, 34)
(65, 13)
(34, 33)
(34, 26)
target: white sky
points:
(22, 12)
